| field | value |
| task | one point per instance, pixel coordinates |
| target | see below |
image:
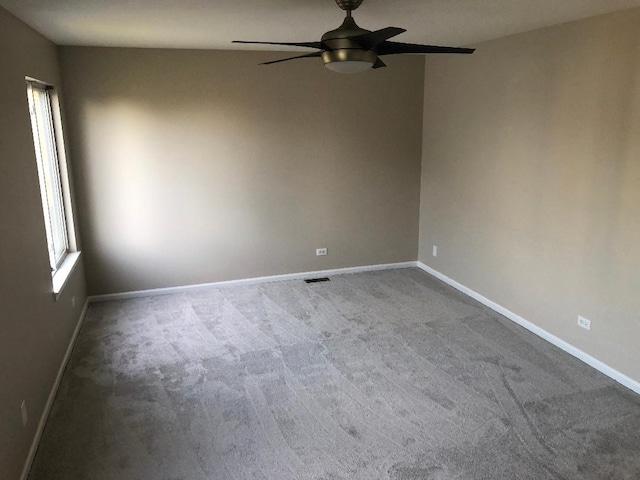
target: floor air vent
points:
(317, 280)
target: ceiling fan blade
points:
(379, 64)
(390, 48)
(318, 45)
(308, 55)
(371, 39)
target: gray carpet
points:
(382, 375)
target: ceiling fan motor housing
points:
(342, 48)
(341, 36)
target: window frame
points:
(53, 180)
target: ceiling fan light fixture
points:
(348, 66)
(349, 60)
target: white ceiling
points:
(214, 23)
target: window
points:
(54, 182)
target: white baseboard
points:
(52, 395)
(248, 281)
(558, 342)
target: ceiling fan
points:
(351, 49)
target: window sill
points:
(63, 273)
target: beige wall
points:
(201, 166)
(531, 179)
(34, 329)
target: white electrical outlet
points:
(584, 323)
(321, 252)
(435, 251)
(23, 411)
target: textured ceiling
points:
(214, 23)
